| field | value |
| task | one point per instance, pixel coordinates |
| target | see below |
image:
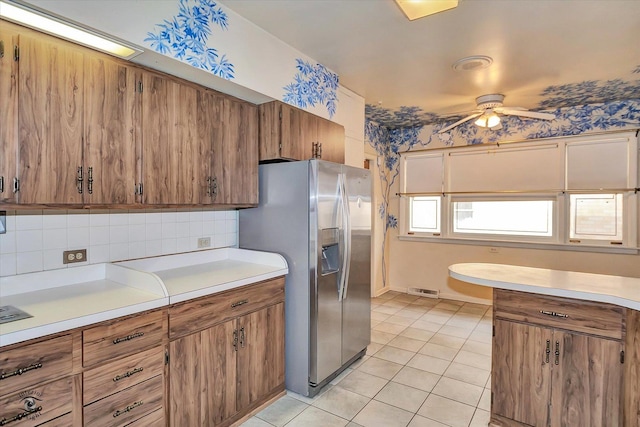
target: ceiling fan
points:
(487, 109)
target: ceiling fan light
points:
(414, 9)
(488, 120)
(493, 120)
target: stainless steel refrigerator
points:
(317, 214)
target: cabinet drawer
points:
(575, 315)
(35, 363)
(63, 421)
(154, 419)
(201, 313)
(121, 337)
(53, 400)
(121, 374)
(127, 406)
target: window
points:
(596, 217)
(424, 215)
(504, 217)
(570, 191)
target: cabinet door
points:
(50, 120)
(202, 377)
(9, 108)
(174, 150)
(236, 159)
(111, 139)
(521, 377)
(261, 354)
(296, 135)
(210, 147)
(331, 138)
(587, 382)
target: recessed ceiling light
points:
(471, 63)
(415, 9)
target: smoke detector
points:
(471, 63)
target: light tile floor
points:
(428, 365)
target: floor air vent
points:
(430, 293)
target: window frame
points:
(560, 198)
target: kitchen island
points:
(566, 346)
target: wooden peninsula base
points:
(560, 361)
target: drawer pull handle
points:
(239, 303)
(128, 337)
(128, 408)
(20, 371)
(5, 421)
(127, 374)
(554, 314)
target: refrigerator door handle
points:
(343, 269)
(347, 231)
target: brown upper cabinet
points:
(288, 133)
(9, 109)
(81, 128)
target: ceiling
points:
(546, 53)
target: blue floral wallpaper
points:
(186, 36)
(312, 84)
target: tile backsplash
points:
(35, 240)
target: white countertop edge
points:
(546, 290)
(210, 290)
(66, 325)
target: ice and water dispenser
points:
(330, 257)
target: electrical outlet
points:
(76, 255)
(204, 242)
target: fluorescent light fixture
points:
(488, 120)
(49, 24)
(415, 9)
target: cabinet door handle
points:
(548, 351)
(242, 337)
(5, 421)
(128, 337)
(79, 179)
(235, 340)
(554, 314)
(319, 151)
(129, 408)
(1, 184)
(90, 181)
(557, 361)
(20, 371)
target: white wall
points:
(36, 239)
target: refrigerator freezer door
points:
(326, 309)
(356, 304)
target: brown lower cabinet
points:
(221, 373)
(561, 362)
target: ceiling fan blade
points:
(527, 113)
(459, 122)
(500, 109)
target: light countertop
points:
(192, 275)
(65, 299)
(622, 291)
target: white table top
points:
(65, 299)
(622, 291)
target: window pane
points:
(596, 216)
(521, 217)
(425, 215)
